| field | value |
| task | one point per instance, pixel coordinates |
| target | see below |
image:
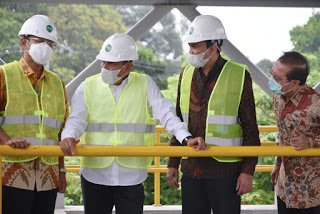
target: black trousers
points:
(203, 195)
(20, 201)
(283, 210)
(100, 199)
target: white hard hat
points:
(40, 26)
(117, 48)
(205, 27)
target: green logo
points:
(108, 47)
(191, 30)
(49, 28)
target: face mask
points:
(197, 61)
(276, 87)
(40, 53)
(110, 76)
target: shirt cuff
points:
(181, 135)
(66, 134)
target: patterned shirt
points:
(28, 174)
(298, 182)
(201, 89)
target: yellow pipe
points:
(162, 151)
(163, 169)
(262, 144)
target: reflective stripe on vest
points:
(19, 119)
(185, 117)
(36, 141)
(223, 119)
(52, 123)
(224, 141)
(30, 119)
(121, 127)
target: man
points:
(34, 108)
(297, 111)
(215, 99)
(113, 108)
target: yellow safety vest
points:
(23, 118)
(222, 125)
(126, 124)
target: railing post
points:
(0, 184)
(157, 174)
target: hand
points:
(62, 182)
(173, 177)
(275, 174)
(67, 145)
(301, 141)
(18, 143)
(244, 184)
(197, 143)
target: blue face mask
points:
(276, 87)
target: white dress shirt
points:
(115, 174)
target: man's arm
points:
(247, 116)
(76, 122)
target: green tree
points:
(265, 65)
(306, 41)
(164, 39)
(12, 17)
(82, 29)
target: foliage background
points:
(82, 30)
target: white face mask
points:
(197, 61)
(41, 53)
(111, 76)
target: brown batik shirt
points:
(201, 88)
(298, 183)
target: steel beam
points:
(144, 25)
(148, 21)
(241, 3)
(317, 87)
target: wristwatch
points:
(185, 140)
(63, 170)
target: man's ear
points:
(23, 42)
(129, 66)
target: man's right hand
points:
(173, 177)
(197, 143)
(18, 143)
(275, 174)
(67, 145)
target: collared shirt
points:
(298, 182)
(28, 174)
(201, 89)
(117, 175)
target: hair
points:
(218, 43)
(298, 64)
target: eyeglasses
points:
(37, 40)
(278, 81)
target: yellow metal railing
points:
(162, 150)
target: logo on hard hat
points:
(191, 30)
(49, 28)
(108, 47)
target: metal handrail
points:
(162, 150)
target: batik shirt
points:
(298, 183)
